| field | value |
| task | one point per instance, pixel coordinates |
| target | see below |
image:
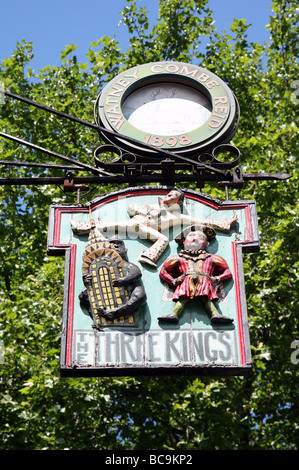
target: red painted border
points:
(69, 334)
(238, 304)
(73, 248)
(71, 287)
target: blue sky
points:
(54, 24)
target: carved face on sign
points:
(196, 240)
(173, 197)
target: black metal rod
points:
(117, 179)
(39, 165)
(246, 176)
(52, 154)
(49, 109)
(122, 179)
(266, 176)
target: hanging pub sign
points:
(154, 283)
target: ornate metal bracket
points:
(113, 164)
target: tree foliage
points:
(40, 410)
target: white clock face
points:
(166, 109)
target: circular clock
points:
(169, 105)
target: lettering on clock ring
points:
(171, 141)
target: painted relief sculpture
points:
(111, 294)
(150, 220)
(194, 273)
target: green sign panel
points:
(154, 283)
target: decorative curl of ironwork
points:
(122, 156)
(207, 167)
(129, 164)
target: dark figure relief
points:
(111, 294)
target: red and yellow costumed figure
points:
(194, 273)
